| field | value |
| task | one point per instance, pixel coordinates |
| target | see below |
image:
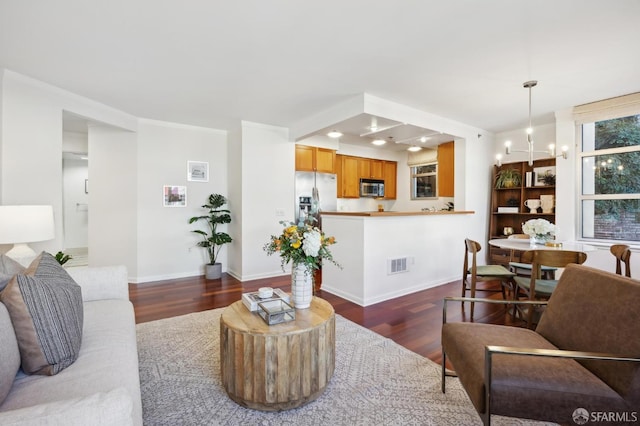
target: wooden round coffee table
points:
(277, 367)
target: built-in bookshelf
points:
(508, 209)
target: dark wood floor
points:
(413, 321)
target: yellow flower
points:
(290, 230)
(296, 244)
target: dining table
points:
(524, 245)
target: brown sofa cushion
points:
(536, 388)
(577, 318)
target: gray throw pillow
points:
(8, 268)
(45, 306)
(9, 353)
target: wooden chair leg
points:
(473, 294)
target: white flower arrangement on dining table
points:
(539, 228)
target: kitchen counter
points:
(395, 213)
(388, 254)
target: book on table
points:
(251, 299)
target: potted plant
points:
(508, 178)
(213, 240)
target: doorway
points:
(75, 188)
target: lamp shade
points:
(26, 224)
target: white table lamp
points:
(20, 225)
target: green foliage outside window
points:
(617, 173)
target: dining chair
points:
(524, 269)
(622, 252)
(535, 287)
(473, 273)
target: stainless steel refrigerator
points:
(315, 192)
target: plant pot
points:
(213, 271)
(509, 183)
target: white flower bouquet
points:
(301, 244)
(540, 229)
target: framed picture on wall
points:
(544, 176)
(197, 171)
(174, 196)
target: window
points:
(424, 181)
(610, 179)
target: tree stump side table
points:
(277, 367)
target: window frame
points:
(581, 154)
(413, 180)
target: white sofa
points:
(102, 387)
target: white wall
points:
(433, 245)
(166, 246)
(234, 173)
(31, 166)
(268, 172)
(127, 170)
(112, 198)
(543, 135)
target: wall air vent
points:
(396, 266)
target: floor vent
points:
(395, 266)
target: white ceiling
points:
(363, 129)
(213, 62)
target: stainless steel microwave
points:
(371, 188)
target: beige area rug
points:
(376, 382)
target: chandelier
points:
(551, 152)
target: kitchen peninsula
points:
(388, 254)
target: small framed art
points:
(197, 171)
(174, 196)
(544, 176)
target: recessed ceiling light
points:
(414, 148)
(379, 142)
(334, 134)
(424, 139)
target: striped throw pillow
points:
(45, 306)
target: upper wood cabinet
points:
(315, 159)
(369, 168)
(364, 168)
(339, 187)
(376, 169)
(348, 178)
(351, 169)
(390, 173)
(446, 169)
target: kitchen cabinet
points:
(339, 187)
(376, 169)
(369, 168)
(350, 170)
(315, 159)
(348, 178)
(515, 198)
(446, 170)
(390, 173)
(364, 168)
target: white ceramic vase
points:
(301, 286)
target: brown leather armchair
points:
(584, 353)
